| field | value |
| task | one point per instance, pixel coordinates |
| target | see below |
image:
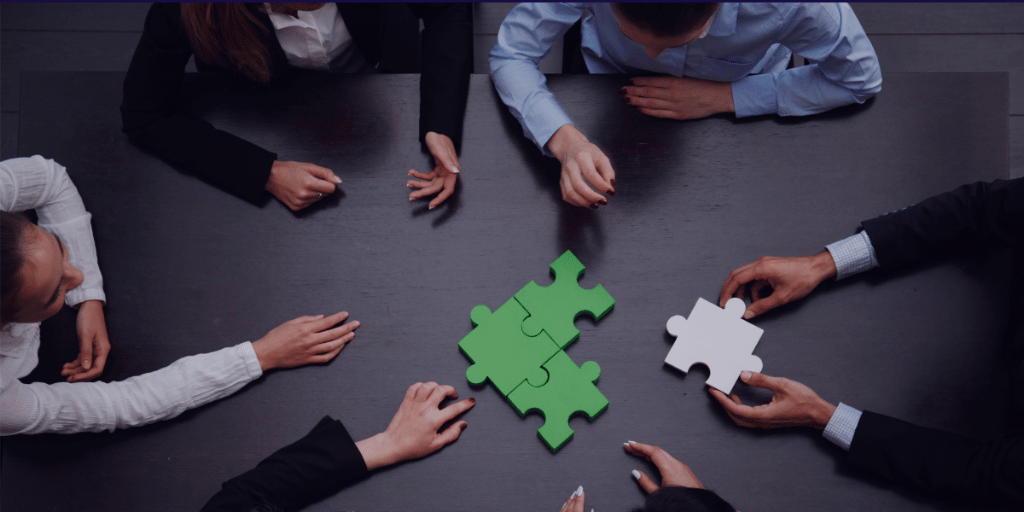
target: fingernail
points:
(430, 207)
(625, 444)
(472, 400)
(453, 169)
(463, 427)
(410, 199)
(86, 364)
(627, 100)
(632, 442)
(408, 185)
(594, 206)
(410, 173)
(603, 202)
(636, 474)
(337, 179)
(745, 376)
(748, 314)
(611, 192)
(579, 492)
(613, 182)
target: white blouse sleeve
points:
(66, 408)
(44, 185)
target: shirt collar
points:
(724, 23)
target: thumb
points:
(760, 380)
(449, 435)
(85, 351)
(445, 157)
(645, 481)
(762, 306)
(323, 173)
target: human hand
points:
(581, 160)
(788, 279)
(299, 184)
(793, 405)
(441, 180)
(92, 342)
(575, 502)
(672, 471)
(304, 340)
(678, 98)
(412, 433)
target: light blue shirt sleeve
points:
(843, 66)
(842, 426)
(853, 255)
(525, 37)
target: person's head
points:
(673, 498)
(34, 271)
(658, 26)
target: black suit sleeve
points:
(306, 471)
(151, 117)
(989, 215)
(447, 57)
(940, 463)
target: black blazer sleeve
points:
(447, 61)
(306, 471)
(151, 117)
(989, 215)
(940, 463)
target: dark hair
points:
(228, 34)
(12, 236)
(667, 19)
(674, 498)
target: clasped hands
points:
(300, 184)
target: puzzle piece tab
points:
(554, 308)
(719, 338)
(501, 351)
(569, 390)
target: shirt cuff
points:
(252, 363)
(842, 426)
(755, 95)
(853, 255)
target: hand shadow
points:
(330, 201)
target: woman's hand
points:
(94, 346)
(305, 340)
(575, 503)
(298, 184)
(582, 163)
(672, 471)
(678, 98)
(793, 405)
(441, 180)
(413, 432)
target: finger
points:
(411, 392)
(100, 361)
(760, 380)
(734, 284)
(330, 321)
(303, 319)
(424, 391)
(340, 332)
(326, 357)
(449, 187)
(764, 305)
(454, 410)
(652, 81)
(422, 175)
(604, 167)
(578, 502)
(89, 375)
(445, 157)
(323, 173)
(85, 352)
(651, 103)
(437, 394)
(73, 365)
(318, 186)
(433, 188)
(569, 194)
(660, 112)
(418, 184)
(644, 451)
(755, 289)
(449, 435)
(645, 481)
(581, 187)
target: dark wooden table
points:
(190, 269)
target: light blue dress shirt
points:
(743, 39)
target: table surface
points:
(190, 269)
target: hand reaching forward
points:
(441, 180)
(583, 166)
(794, 405)
(299, 184)
(678, 98)
(672, 471)
(575, 502)
(786, 279)
(413, 432)
(304, 340)
(94, 346)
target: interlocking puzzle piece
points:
(719, 338)
(554, 308)
(569, 390)
(501, 351)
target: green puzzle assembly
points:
(520, 349)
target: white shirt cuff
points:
(842, 426)
(853, 255)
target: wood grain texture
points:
(74, 17)
(940, 18)
(189, 269)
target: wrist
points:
(564, 140)
(725, 100)
(275, 171)
(263, 355)
(377, 451)
(824, 265)
(822, 414)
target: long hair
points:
(667, 19)
(229, 35)
(12, 258)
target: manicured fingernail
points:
(453, 169)
(613, 182)
(463, 427)
(745, 376)
(632, 442)
(748, 314)
(603, 202)
(594, 206)
(431, 207)
(636, 474)
(579, 492)
(472, 400)
(627, 100)
(337, 179)
(622, 91)
(611, 192)
(86, 364)
(625, 444)
(410, 199)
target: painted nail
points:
(410, 199)
(636, 474)
(579, 492)
(472, 400)
(625, 444)
(453, 169)
(611, 192)
(632, 442)
(745, 375)
(337, 179)
(430, 207)
(463, 427)
(613, 182)
(603, 202)
(594, 206)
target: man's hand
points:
(441, 180)
(299, 184)
(786, 279)
(92, 341)
(794, 405)
(582, 160)
(672, 471)
(678, 98)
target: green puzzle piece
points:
(569, 390)
(553, 309)
(501, 351)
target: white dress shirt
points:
(317, 40)
(44, 185)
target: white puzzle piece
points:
(719, 338)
